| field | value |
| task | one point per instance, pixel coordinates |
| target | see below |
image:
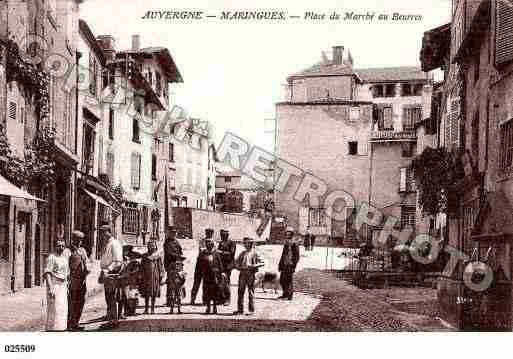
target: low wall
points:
(192, 223)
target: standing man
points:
(247, 263)
(111, 263)
(288, 262)
(227, 250)
(77, 286)
(306, 239)
(310, 238)
(172, 253)
(209, 233)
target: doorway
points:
(25, 223)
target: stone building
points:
(475, 117)
(355, 130)
(48, 30)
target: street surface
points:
(322, 302)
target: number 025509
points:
(19, 348)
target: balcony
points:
(391, 136)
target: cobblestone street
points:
(322, 302)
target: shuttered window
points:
(504, 32)
(411, 116)
(407, 216)
(130, 218)
(12, 110)
(111, 124)
(110, 166)
(384, 117)
(136, 170)
(407, 180)
(506, 151)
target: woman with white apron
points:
(56, 278)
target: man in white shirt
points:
(247, 263)
(111, 263)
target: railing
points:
(379, 136)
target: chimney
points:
(108, 45)
(136, 42)
(338, 52)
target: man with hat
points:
(247, 263)
(202, 246)
(172, 253)
(227, 250)
(78, 272)
(111, 263)
(288, 262)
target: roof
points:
(163, 57)
(91, 40)
(435, 47)
(327, 68)
(391, 74)
(8, 189)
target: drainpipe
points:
(13, 274)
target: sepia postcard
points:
(254, 166)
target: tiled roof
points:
(406, 73)
(326, 69)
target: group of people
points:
(122, 269)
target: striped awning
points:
(8, 189)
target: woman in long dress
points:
(56, 278)
(152, 274)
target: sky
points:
(234, 71)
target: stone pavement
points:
(25, 309)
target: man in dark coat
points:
(77, 285)
(227, 250)
(288, 262)
(211, 268)
(172, 253)
(209, 233)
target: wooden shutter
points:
(403, 179)
(388, 118)
(12, 110)
(504, 32)
(136, 170)
(455, 123)
(303, 219)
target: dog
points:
(267, 277)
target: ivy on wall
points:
(437, 173)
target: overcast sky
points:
(234, 71)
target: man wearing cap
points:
(209, 233)
(111, 263)
(77, 285)
(172, 253)
(288, 262)
(247, 263)
(227, 250)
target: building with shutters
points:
(23, 251)
(356, 130)
(133, 156)
(474, 111)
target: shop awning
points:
(8, 189)
(99, 199)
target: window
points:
(110, 166)
(407, 216)
(475, 136)
(4, 228)
(111, 123)
(470, 211)
(93, 71)
(506, 145)
(150, 77)
(354, 114)
(417, 89)
(378, 91)
(390, 90)
(407, 180)
(317, 217)
(12, 111)
(411, 116)
(136, 171)
(408, 149)
(227, 179)
(384, 117)
(353, 148)
(477, 67)
(158, 85)
(406, 90)
(171, 152)
(130, 218)
(154, 167)
(144, 217)
(503, 32)
(135, 130)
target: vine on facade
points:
(34, 80)
(437, 173)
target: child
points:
(175, 282)
(152, 273)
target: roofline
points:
(319, 103)
(292, 77)
(177, 76)
(91, 40)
